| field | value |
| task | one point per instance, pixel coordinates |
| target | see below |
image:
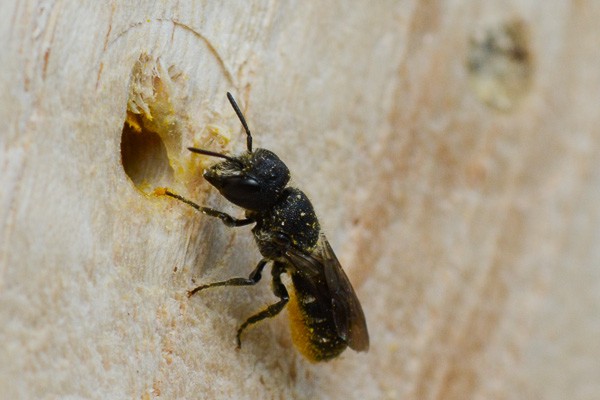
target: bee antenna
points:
(242, 120)
(212, 154)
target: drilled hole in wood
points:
(144, 155)
(151, 138)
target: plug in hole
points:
(500, 65)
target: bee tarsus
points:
(253, 279)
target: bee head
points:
(253, 180)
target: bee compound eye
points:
(250, 185)
(241, 185)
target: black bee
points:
(325, 314)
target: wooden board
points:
(451, 150)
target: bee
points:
(325, 314)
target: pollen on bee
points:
(308, 299)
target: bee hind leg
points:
(280, 291)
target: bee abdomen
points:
(313, 330)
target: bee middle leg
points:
(280, 291)
(249, 281)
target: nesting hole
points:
(151, 136)
(144, 155)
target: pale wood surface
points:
(465, 211)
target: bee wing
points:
(348, 315)
(347, 311)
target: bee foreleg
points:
(280, 291)
(225, 218)
(251, 280)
